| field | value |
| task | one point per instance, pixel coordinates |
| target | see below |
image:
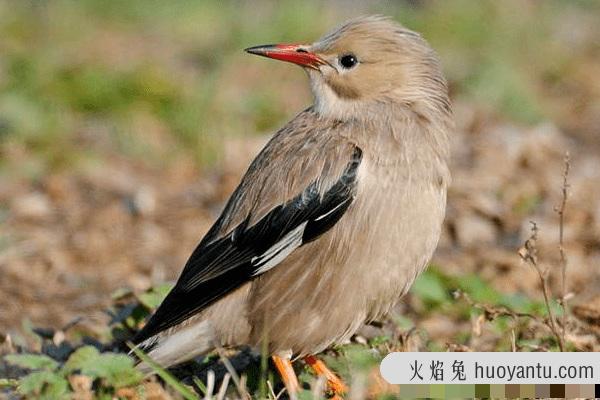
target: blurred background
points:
(125, 125)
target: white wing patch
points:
(279, 251)
(333, 209)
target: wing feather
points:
(231, 255)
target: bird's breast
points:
(395, 223)
(324, 291)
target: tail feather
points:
(177, 346)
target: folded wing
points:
(257, 230)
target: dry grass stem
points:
(239, 384)
(223, 389)
(405, 338)
(272, 394)
(492, 312)
(210, 385)
(529, 254)
(563, 256)
(513, 340)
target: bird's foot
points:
(334, 384)
(288, 376)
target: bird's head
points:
(366, 64)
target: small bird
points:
(335, 217)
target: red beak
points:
(294, 53)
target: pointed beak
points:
(294, 53)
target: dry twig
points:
(492, 312)
(563, 257)
(272, 394)
(529, 254)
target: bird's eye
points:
(348, 61)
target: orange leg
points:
(334, 383)
(288, 376)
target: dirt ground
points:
(70, 239)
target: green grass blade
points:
(7, 383)
(199, 384)
(164, 374)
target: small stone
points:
(360, 340)
(58, 338)
(145, 201)
(82, 386)
(34, 206)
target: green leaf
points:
(430, 288)
(116, 369)
(44, 385)
(153, 297)
(32, 361)
(403, 322)
(306, 395)
(479, 290)
(82, 359)
(361, 358)
(379, 340)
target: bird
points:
(335, 217)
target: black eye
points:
(348, 61)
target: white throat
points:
(327, 103)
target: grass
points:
(166, 376)
(50, 379)
(433, 297)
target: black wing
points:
(219, 267)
